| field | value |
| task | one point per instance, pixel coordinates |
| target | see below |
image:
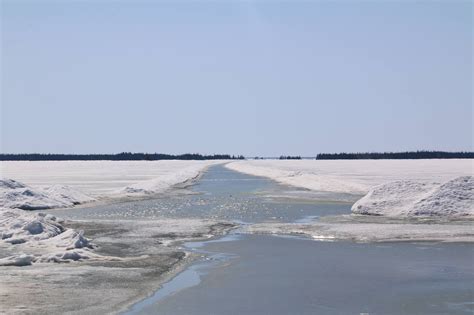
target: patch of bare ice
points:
(370, 232)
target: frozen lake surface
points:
(258, 274)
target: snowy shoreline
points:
(141, 255)
(99, 179)
(38, 238)
(123, 253)
(352, 176)
(389, 187)
(413, 193)
(122, 262)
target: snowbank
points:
(67, 194)
(354, 176)
(37, 237)
(14, 194)
(67, 183)
(99, 178)
(42, 236)
(454, 198)
(163, 182)
(29, 237)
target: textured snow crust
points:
(39, 237)
(14, 194)
(163, 182)
(454, 198)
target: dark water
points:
(255, 274)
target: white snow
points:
(14, 194)
(454, 198)
(42, 236)
(67, 194)
(352, 176)
(67, 183)
(103, 178)
(163, 182)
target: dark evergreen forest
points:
(396, 155)
(124, 156)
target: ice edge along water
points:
(399, 198)
(391, 188)
(402, 201)
(40, 238)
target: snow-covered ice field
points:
(34, 185)
(353, 176)
(47, 185)
(104, 178)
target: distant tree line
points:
(288, 157)
(124, 156)
(396, 155)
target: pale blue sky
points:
(238, 77)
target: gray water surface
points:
(283, 275)
(256, 274)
